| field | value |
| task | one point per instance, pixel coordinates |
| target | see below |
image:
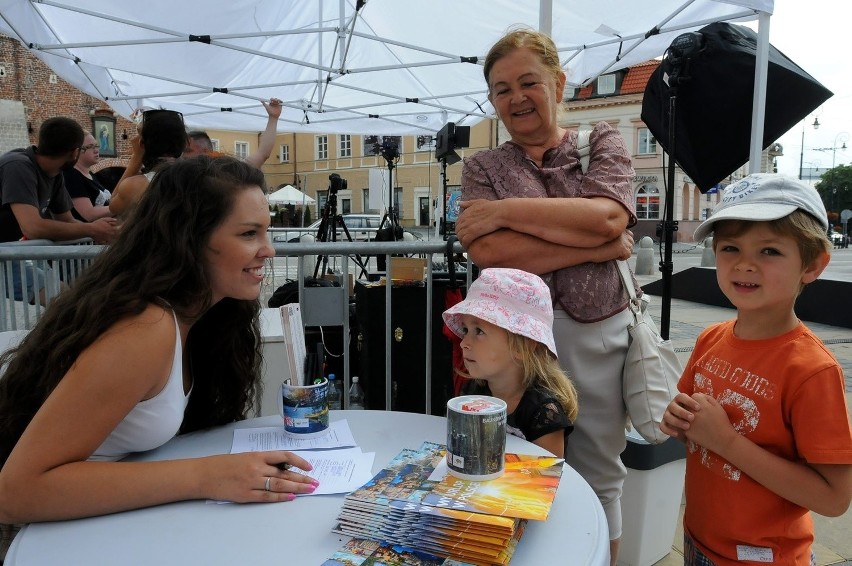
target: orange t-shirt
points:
(785, 394)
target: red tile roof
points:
(634, 81)
(637, 77)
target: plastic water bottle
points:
(356, 395)
(335, 393)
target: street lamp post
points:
(812, 170)
(842, 137)
(845, 138)
(802, 154)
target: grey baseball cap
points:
(762, 197)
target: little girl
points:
(506, 327)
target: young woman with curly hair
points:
(158, 337)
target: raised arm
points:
(48, 477)
(134, 164)
(126, 194)
(267, 138)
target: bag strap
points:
(584, 148)
(626, 280)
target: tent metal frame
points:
(391, 113)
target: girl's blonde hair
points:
(541, 369)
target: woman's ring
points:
(266, 485)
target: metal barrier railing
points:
(44, 264)
(292, 262)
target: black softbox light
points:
(714, 105)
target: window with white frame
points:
(648, 202)
(284, 153)
(241, 149)
(647, 142)
(570, 93)
(606, 84)
(214, 143)
(322, 147)
(344, 145)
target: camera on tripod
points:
(388, 149)
(336, 182)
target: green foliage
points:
(308, 219)
(835, 188)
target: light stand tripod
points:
(445, 231)
(327, 231)
(389, 228)
(448, 139)
(390, 152)
(678, 54)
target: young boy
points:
(762, 406)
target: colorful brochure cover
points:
(525, 490)
(400, 515)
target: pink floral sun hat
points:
(512, 299)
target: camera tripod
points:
(390, 152)
(327, 231)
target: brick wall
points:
(13, 125)
(26, 79)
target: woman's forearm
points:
(506, 248)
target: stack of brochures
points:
(415, 513)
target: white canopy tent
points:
(288, 194)
(341, 66)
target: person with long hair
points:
(528, 204)
(506, 327)
(159, 336)
(161, 138)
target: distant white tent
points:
(288, 194)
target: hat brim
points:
(453, 319)
(758, 212)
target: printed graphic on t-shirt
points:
(738, 399)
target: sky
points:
(814, 34)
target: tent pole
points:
(545, 17)
(669, 226)
(758, 110)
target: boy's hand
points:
(710, 426)
(679, 415)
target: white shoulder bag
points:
(651, 370)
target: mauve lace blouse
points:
(588, 292)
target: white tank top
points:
(152, 422)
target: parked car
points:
(839, 240)
(361, 227)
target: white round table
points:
(297, 532)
